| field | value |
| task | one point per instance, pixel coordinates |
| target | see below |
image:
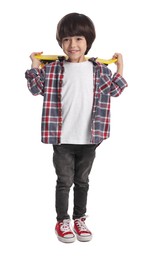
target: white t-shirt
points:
(77, 102)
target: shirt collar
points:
(93, 60)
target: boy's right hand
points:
(35, 62)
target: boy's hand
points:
(119, 62)
(35, 62)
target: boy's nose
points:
(72, 43)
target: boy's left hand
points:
(119, 62)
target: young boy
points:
(76, 116)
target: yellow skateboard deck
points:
(50, 58)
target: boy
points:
(76, 116)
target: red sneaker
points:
(82, 232)
(64, 232)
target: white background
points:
(120, 196)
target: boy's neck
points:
(77, 60)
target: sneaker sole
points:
(83, 238)
(66, 240)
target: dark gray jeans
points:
(73, 164)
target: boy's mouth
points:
(73, 51)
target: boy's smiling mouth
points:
(73, 51)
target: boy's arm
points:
(119, 63)
(118, 82)
(35, 76)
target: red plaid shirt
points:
(48, 82)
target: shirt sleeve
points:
(118, 83)
(35, 81)
(111, 84)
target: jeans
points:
(72, 164)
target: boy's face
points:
(74, 47)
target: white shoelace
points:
(65, 227)
(81, 225)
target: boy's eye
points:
(65, 39)
(76, 38)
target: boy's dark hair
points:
(75, 24)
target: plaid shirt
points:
(48, 82)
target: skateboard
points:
(50, 58)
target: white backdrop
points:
(119, 197)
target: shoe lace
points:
(65, 227)
(81, 224)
